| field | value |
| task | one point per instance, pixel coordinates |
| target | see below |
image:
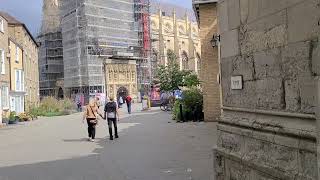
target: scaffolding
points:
(95, 30)
(50, 50)
(142, 17)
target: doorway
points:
(123, 92)
(60, 93)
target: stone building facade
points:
(17, 87)
(206, 12)
(180, 35)
(19, 34)
(270, 74)
(121, 78)
(51, 51)
(19, 70)
(4, 68)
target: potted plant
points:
(13, 119)
(5, 120)
(24, 117)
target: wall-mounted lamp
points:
(215, 40)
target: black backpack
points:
(110, 107)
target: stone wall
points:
(209, 61)
(268, 129)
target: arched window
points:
(155, 56)
(185, 61)
(181, 30)
(171, 55)
(168, 28)
(194, 32)
(198, 63)
(154, 25)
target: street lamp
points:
(215, 40)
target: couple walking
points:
(111, 114)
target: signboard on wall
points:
(236, 83)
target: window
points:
(17, 103)
(5, 97)
(17, 54)
(198, 63)
(185, 61)
(168, 28)
(3, 62)
(19, 80)
(181, 30)
(1, 25)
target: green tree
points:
(171, 77)
(191, 80)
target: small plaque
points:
(236, 83)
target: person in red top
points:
(129, 102)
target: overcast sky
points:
(29, 11)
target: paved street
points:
(151, 147)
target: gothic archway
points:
(122, 91)
(60, 93)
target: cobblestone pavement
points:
(151, 147)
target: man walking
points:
(129, 101)
(112, 115)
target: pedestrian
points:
(120, 101)
(111, 114)
(78, 105)
(91, 115)
(129, 102)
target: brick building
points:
(206, 12)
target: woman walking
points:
(91, 115)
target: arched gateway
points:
(122, 91)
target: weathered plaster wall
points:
(268, 129)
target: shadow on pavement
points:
(152, 150)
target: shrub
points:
(12, 116)
(34, 112)
(67, 104)
(50, 106)
(176, 110)
(24, 117)
(192, 105)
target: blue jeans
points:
(129, 107)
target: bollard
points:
(181, 113)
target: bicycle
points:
(168, 106)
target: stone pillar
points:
(209, 61)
